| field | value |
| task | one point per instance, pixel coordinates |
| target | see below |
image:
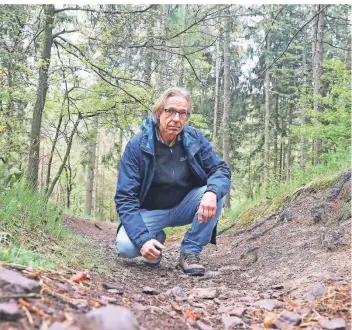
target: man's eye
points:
(183, 113)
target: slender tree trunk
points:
(183, 41)
(68, 149)
(33, 162)
(162, 77)
(266, 120)
(217, 87)
(91, 169)
(302, 117)
(51, 155)
(276, 133)
(317, 75)
(288, 153)
(149, 52)
(227, 105)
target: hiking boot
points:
(153, 263)
(190, 263)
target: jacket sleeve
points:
(127, 196)
(217, 171)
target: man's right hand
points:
(151, 249)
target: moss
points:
(250, 215)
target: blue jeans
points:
(195, 238)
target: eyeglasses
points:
(172, 113)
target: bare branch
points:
(104, 11)
(62, 32)
(294, 36)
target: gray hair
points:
(173, 91)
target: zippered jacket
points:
(137, 167)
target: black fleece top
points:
(173, 178)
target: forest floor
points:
(291, 270)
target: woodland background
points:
(270, 84)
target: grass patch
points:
(32, 233)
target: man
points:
(169, 176)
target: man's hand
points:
(151, 249)
(207, 207)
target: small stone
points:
(304, 310)
(237, 311)
(286, 320)
(149, 290)
(205, 293)
(178, 293)
(62, 326)
(117, 291)
(13, 282)
(269, 304)
(230, 321)
(316, 291)
(112, 317)
(202, 326)
(265, 295)
(62, 288)
(334, 324)
(278, 287)
(9, 311)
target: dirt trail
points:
(251, 278)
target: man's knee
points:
(126, 249)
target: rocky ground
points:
(290, 270)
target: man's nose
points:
(176, 117)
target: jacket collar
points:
(149, 132)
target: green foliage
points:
(332, 124)
(32, 232)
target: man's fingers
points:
(200, 213)
(158, 245)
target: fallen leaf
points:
(33, 275)
(176, 307)
(268, 320)
(79, 277)
(192, 316)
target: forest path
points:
(289, 271)
(294, 264)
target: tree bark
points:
(91, 169)
(227, 105)
(67, 153)
(217, 88)
(317, 75)
(302, 117)
(266, 120)
(33, 162)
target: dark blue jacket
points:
(137, 168)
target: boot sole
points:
(195, 272)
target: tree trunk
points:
(302, 117)
(33, 162)
(276, 134)
(68, 149)
(216, 101)
(317, 74)
(51, 155)
(91, 169)
(266, 120)
(149, 52)
(227, 100)
(288, 153)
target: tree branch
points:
(104, 11)
(289, 43)
(62, 32)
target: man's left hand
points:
(207, 207)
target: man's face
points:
(172, 124)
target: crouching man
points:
(169, 176)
